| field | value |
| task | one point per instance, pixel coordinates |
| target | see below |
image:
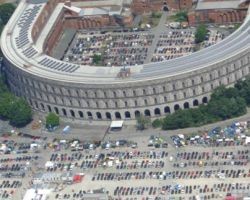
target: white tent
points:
(181, 136)
(40, 194)
(116, 124)
(49, 164)
(247, 140)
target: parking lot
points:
(134, 47)
(207, 165)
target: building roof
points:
(36, 194)
(19, 49)
(206, 5)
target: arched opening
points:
(36, 104)
(72, 113)
(147, 112)
(204, 100)
(186, 105)
(30, 102)
(137, 113)
(127, 115)
(56, 110)
(195, 102)
(176, 107)
(157, 111)
(108, 115)
(49, 108)
(80, 114)
(90, 116)
(99, 115)
(167, 109)
(117, 115)
(165, 8)
(42, 106)
(64, 112)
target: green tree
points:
(181, 16)
(157, 123)
(143, 122)
(244, 89)
(3, 87)
(20, 113)
(200, 34)
(6, 100)
(97, 59)
(6, 11)
(52, 120)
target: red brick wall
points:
(216, 16)
(43, 18)
(54, 35)
(146, 6)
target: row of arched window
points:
(117, 115)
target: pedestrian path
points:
(157, 32)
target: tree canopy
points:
(12, 108)
(52, 120)
(181, 16)
(6, 11)
(97, 59)
(20, 113)
(200, 34)
(142, 122)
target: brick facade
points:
(146, 6)
(216, 16)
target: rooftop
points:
(18, 47)
(206, 5)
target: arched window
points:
(204, 100)
(157, 111)
(137, 113)
(64, 112)
(42, 106)
(49, 108)
(117, 115)
(202, 79)
(176, 107)
(80, 114)
(90, 116)
(108, 115)
(147, 112)
(186, 105)
(36, 104)
(72, 113)
(99, 115)
(195, 102)
(127, 115)
(167, 109)
(56, 110)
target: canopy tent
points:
(116, 125)
(247, 140)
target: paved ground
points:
(94, 132)
(157, 32)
